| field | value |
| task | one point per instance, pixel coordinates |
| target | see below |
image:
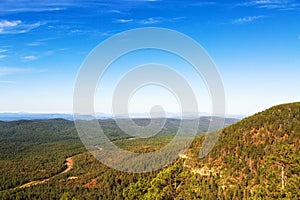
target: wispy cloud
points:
(157, 20)
(8, 71)
(151, 21)
(16, 26)
(8, 24)
(29, 58)
(143, 0)
(248, 19)
(33, 44)
(258, 2)
(12, 70)
(272, 4)
(32, 6)
(123, 20)
(33, 9)
(3, 50)
(7, 82)
(47, 53)
(5, 71)
(175, 19)
(204, 3)
(114, 11)
(5, 23)
(9, 6)
(3, 56)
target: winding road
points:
(69, 164)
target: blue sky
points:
(255, 45)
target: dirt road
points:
(69, 164)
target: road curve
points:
(69, 164)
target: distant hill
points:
(32, 116)
(43, 116)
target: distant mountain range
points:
(32, 116)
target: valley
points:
(255, 158)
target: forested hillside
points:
(256, 158)
(36, 150)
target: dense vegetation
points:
(37, 149)
(256, 158)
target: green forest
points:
(255, 158)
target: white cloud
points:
(8, 6)
(175, 19)
(248, 19)
(5, 23)
(156, 20)
(3, 50)
(3, 56)
(114, 11)
(259, 2)
(123, 20)
(29, 58)
(272, 4)
(33, 9)
(33, 44)
(11, 70)
(4, 71)
(143, 0)
(47, 53)
(16, 26)
(204, 3)
(7, 82)
(150, 21)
